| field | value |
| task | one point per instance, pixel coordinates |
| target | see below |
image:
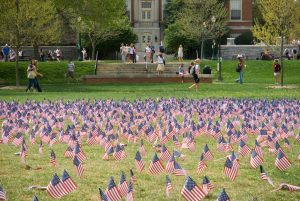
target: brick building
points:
(146, 15)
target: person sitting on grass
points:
(70, 70)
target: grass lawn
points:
(258, 78)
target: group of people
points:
(52, 55)
(7, 54)
(128, 53)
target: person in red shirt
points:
(277, 69)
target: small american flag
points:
(2, 194)
(230, 170)
(255, 159)
(169, 187)
(207, 185)
(287, 144)
(102, 195)
(206, 153)
(282, 162)
(156, 166)
(78, 166)
(18, 139)
(201, 165)
(79, 153)
(69, 153)
(170, 165)
(132, 177)
(258, 149)
(139, 163)
(289, 187)
(112, 192)
(53, 158)
(142, 148)
(123, 186)
(223, 196)
(190, 190)
(264, 176)
(119, 153)
(178, 171)
(130, 194)
(56, 188)
(244, 149)
(68, 183)
(165, 154)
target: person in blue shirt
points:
(5, 51)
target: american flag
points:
(112, 192)
(289, 187)
(258, 149)
(243, 148)
(170, 165)
(142, 148)
(69, 153)
(102, 195)
(68, 183)
(165, 154)
(78, 166)
(139, 163)
(156, 166)
(207, 185)
(18, 139)
(190, 190)
(56, 188)
(33, 199)
(287, 144)
(264, 176)
(230, 170)
(282, 162)
(132, 177)
(175, 141)
(2, 194)
(53, 158)
(119, 153)
(79, 153)
(206, 153)
(201, 165)
(169, 187)
(223, 196)
(178, 171)
(91, 140)
(123, 186)
(255, 159)
(130, 194)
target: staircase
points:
(139, 73)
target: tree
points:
(100, 20)
(202, 20)
(28, 22)
(277, 25)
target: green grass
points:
(258, 76)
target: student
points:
(277, 68)
(70, 70)
(181, 72)
(240, 67)
(194, 73)
(161, 64)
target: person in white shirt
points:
(161, 64)
(180, 53)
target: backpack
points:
(238, 68)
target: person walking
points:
(123, 53)
(161, 64)
(240, 67)
(6, 51)
(277, 69)
(37, 84)
(70, 71)
(31, 75)
(193, 72)
(181, 72)
(180, 53)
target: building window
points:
(235, 9)
(146, 7)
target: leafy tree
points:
(202, 20)
(28, 22)
(100, 20)
(278, 24)
(173, 7)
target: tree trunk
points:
(93, 50)
(17, 45)
(281, 59)
(36, 51)
(17, 67)
(202, 43)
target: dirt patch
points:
(12, 87)
(283, 87)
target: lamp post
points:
(79, 42)
(213, 20)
